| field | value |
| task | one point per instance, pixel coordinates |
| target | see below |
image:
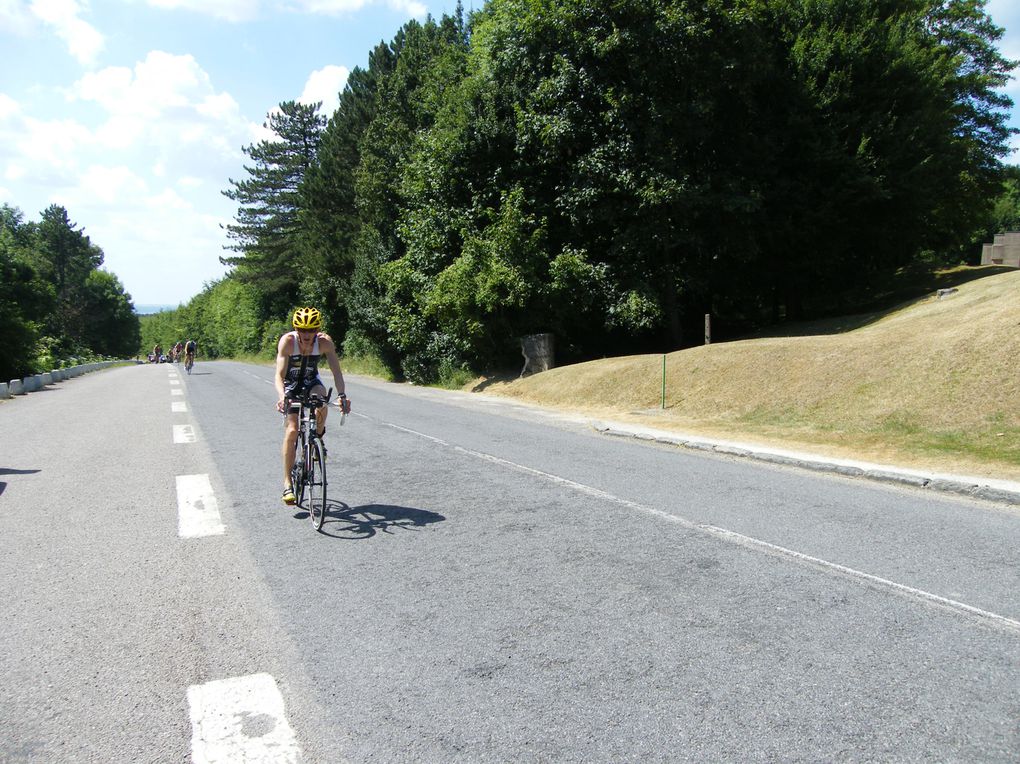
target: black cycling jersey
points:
(296, 361)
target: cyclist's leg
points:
(322, 412)
(290, 434)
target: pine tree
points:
(267, 232)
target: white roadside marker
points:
(178, 407)
(174, 381)
(184, 433)
(197, 512)
(241, 720)
(176, 391)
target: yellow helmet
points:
(307, 318)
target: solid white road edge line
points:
(739, 538)
(241, 719)
(198, 514)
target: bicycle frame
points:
(308, 441)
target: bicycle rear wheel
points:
(316, 484)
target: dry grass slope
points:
(933, 384)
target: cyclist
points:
(157, 353)
(189, 352)
(297, 372)
(177, 352)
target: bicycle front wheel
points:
(316, 484)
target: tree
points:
(111, 326)
(67, 257)
(26, 299)
(329, 210)
(267, 232)
(429, 60)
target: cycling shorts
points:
(293, 389)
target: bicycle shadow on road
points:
(353, 523)
(8, 471)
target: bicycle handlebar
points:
(311, 400)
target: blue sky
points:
(132, 113)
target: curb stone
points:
(1004, 492)
(34, 382)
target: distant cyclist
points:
(189, 354)
(297, 372)
(157, 353)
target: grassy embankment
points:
(933, 384)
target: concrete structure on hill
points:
(1004, 250)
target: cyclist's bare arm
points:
(282, 358)
(328, 349)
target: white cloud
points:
(246, 10)
(167, 106)
(410, 7)
(15, 17)
(108, 185)
(340, 7)
(228, 10)
(156, 86)
(139, 156)
(331, 7)
(48, 147)
(325, 85)
(82, 39)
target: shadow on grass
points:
(495, 379)
(902, 290)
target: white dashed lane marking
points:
(184, 433)
(241, 719)
(178, 407)
(176, 391)
(197, 512)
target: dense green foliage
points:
(224, 320)
(56, 305)
(610, 172)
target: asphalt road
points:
(493, 583)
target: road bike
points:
(308, 475)
(189, 361)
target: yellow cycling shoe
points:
(288, 496)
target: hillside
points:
(933, 384)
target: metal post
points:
(664, 381)
(708, 328)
